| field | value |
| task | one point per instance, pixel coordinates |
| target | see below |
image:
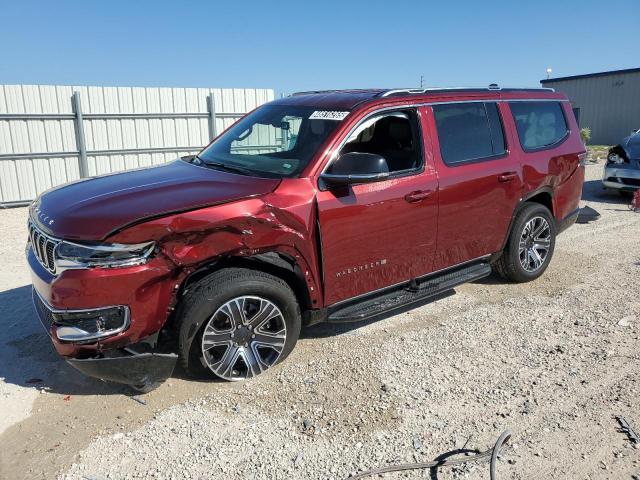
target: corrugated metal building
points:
(607, 102)
(53, 134)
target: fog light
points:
(89, 325)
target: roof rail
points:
(492, 87)
(348, 90)
(311, 92)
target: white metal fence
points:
(50, 135)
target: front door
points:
(480, 181)
(379, 234)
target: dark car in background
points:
(622, 170)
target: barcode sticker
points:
(328, 115)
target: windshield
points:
(273, 141)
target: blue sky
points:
(301, 45)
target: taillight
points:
(582, 158)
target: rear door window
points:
(540, 124)
(469, 132)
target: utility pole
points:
(421, 80)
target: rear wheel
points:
(530, 245)
(237, 323)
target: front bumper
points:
(120, 365)
(145, 292)
(624, 177)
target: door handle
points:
(507, 176)
(417, 196)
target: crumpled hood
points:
(94, 208)
(632, 146)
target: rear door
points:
(379, 234)
(480, 181)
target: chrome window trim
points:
(398, 173)
(367, 117)
(335, 151)
(109, 333)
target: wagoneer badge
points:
(360, 268)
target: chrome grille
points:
(43, 247)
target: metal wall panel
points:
(23, 177)
(609, 104)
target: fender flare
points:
(546, 189)
(276, 261)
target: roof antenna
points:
(421, 81)
(494, 86)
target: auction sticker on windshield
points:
(328, 115)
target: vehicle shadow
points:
(28, 359)
(327, 329)
(592, 191)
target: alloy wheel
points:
(243, 338)
(534, 245)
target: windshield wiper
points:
(223, 166)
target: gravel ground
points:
(553, 360)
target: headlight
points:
(77, 255)
(615, 158)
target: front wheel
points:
(530, 246)
(237, 323)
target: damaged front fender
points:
(283, 221)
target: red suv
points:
(322, 206)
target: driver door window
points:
(394, 136)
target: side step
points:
(406, 296)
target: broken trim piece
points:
(135, 369)
(587, 214)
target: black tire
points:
(626, 194)
(212, 292)
(509, 265)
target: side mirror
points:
(354, 167)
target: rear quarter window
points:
(540, 124)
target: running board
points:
(407, 296)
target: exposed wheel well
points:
(277, 264)
(543, 198)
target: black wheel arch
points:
(274, 263)
(543, 196)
